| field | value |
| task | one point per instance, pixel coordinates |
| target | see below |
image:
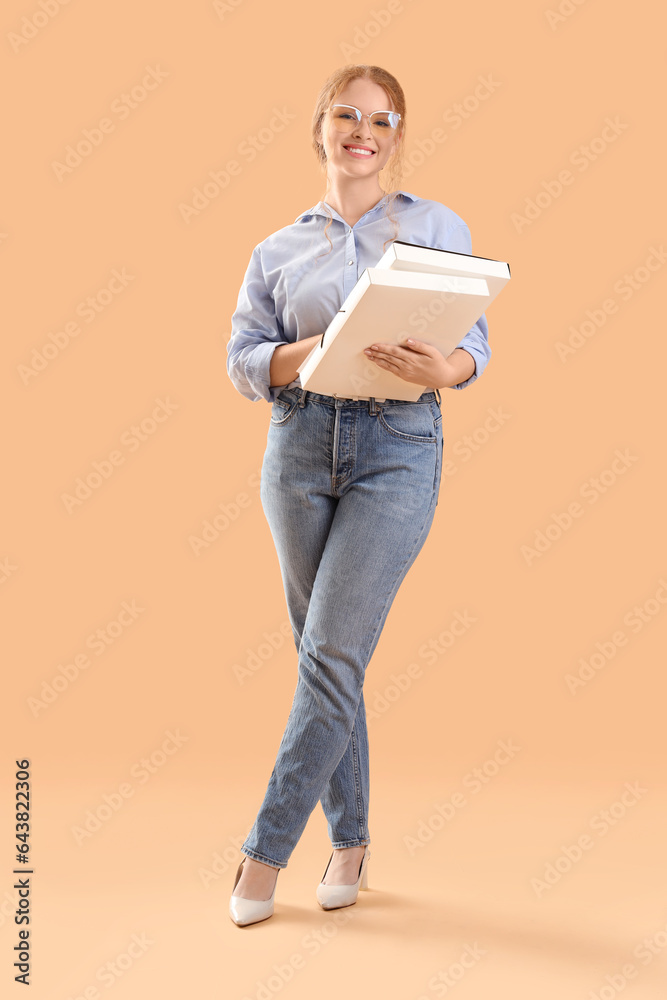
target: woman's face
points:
(367, 96)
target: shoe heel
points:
(364, 877)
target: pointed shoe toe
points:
(250, 911)
(331, 897)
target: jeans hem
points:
(349, 843)
(261, 857)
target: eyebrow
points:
(346, 105)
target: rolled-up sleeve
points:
(476, 340)
(256, 332)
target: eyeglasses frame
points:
(360, 116)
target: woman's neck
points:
(353, 201)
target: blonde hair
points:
(393, 169)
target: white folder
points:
(432, 295)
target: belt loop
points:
(371, 408)
(302, 401)
(437, 392)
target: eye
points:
(384, 120)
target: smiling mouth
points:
(356, 151)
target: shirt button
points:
(350, 262)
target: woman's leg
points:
(346, 796)
(383, 473)
(299, 511)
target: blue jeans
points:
(349, 489)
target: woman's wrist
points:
(460, 365)
(286, 358)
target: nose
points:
(359, 129)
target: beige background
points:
(159, 868)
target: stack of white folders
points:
(431, 295)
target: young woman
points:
(349, 487)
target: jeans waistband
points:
(370, 402)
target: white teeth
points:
(364, 152)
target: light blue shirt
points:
(288, 295)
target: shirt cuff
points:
(258, 374)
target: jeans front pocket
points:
(283, 407)
(410, 421)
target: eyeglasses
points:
(345, 117)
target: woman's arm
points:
(423, 363)
(287, 357)
(256, 333)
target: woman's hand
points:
(422, 363)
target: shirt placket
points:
(350, 270)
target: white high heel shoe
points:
(250, 911)
(330, 897)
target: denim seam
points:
(357, 781)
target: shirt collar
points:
(320, 209)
